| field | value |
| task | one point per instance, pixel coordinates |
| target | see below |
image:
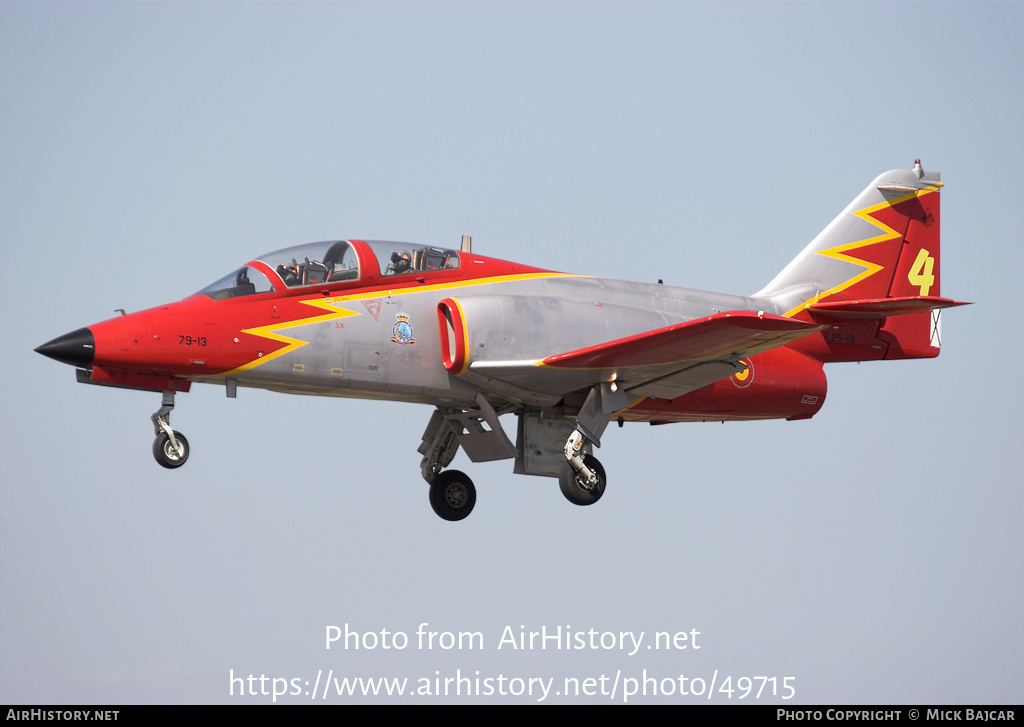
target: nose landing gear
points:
(170, 448)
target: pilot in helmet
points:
(400, 261)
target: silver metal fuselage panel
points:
(396, 354)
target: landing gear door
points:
(540, 444)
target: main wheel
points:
(452, 495)
(165, 453)
(571, 482)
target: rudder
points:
(917, 272)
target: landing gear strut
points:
(170, 448)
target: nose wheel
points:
(170, 453)
(170, 448)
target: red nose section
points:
(170, 340)
(192, 338)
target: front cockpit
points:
(314, 264)
(328, 263)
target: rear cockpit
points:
(401, 258)
(327, 263)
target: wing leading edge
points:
(662, 363)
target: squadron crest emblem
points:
(403, 330)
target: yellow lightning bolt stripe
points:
(447, 286)
(839, 251)
(271, 331)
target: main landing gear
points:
(581, 477)
(170, 448)
(452, 493)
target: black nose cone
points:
(75, 348)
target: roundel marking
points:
(742, 379)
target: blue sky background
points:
(873, 553)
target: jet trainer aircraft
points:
(476, 338)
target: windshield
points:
(244, 281)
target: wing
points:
(663, 363)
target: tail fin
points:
(879, 258)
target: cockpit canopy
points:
(320, 263)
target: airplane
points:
(477, 338)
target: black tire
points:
(452, 495)
(572, 487)
(166, 455)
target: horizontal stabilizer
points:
(879, 307)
